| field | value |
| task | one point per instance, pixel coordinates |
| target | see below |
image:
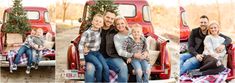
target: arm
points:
(191, 43)
(81, 45)
(208, 48)
(227, 41)
(118, 45)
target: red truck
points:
(38, 17)
(134, 12)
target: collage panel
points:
(27, 48)
(207, 42)
(79, 48)
(117, 41)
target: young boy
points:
(26, 49)
(91, 39)
(38, 47)
(136, 43)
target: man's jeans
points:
(141, 68)
(188, 62)
(28, 51)
(120, 67)
(102, 69)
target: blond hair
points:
(136, 26)
(120, 18)
(98, 15)
(213, 23)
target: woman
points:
(211, 62)
(120, 37)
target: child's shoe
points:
(28, 70)
(14, 67)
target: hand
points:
(128, 60)
(86, 50)
(82, 63)
(199, 57)
(137, 55)
(220, 48)
(146, 54)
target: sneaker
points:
(28, 70)
(36, 66)
(33, 65)
(14, 67)
(194, 73)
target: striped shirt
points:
(90, 38)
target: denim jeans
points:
(90, 72)
(141, 68)
(28, 51)
(102, 69)
(120, 67)
(188, 62)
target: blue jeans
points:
(188, 62)
(120, 67)
(102, 69)
(141, 68)
(28, 51)
(90, 72)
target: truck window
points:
(32, 15)
(127, 10)
(46, 16)
(146, 13)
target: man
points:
(191, 60)
(107, 49)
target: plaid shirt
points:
(132, 47)
(90, 38)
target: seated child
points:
(91, 39)
(38, 41)
(136, 43)
(25, 49)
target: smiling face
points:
(39, 32)
(97, 22)
(33, 32)
(120, 24)
(214, 29)
(109, 19)
(136, 31)
(203, 24)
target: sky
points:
(167, 3)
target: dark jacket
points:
(196, 39)
(107, 47)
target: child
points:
(91, 39)
(211, 62)
(38, 40)
(25, 49)
(136, 43)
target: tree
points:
(65, 7)
(17, 21)
(100, 6)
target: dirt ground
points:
(42, 74)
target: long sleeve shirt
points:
(118, 42)
(211, 43)
(132, 47)
(90, 38)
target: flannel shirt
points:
(132, 47)
(90, 38)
